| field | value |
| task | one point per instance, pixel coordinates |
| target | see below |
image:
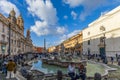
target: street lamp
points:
(104, 45)
(9, 38)
(105, 58)
(3, 48)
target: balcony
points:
(3, 42)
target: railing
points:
(3, 42)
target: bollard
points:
(59, 75)
(97, 76)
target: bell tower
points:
(12, 16)
(28, 34)
(20, 21)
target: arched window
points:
(88, 42)
(88, 33)
(3, 29)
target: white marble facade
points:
(107, 26)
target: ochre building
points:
(74, 44)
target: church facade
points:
(12, 39)
(102, 36)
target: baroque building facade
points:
(12, 39)
(102, 36)
(73, 44)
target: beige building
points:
(12, 39)
(102, 36)
(58, 48)
(74, 44)
(51, 49)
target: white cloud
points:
(61, 30)
(43, 10)
(74, 15)
(88, 6)
(64, 37)
(42, 28)
(65, 17)
(46, 12)
(6, 7)
(73, 3)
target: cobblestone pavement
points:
(2, 77)
(116, 74)
(17, 77)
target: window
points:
(15, 42)
(7, 39)
(88, 42)
(19, 44)
(11, 33)
(3, 37)
(88, 51)
(88, 33)
(3, 30)
(15, 50)
(11, 50)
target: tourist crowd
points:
(103, 58)
(8, 66)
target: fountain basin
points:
(92, 68)
(63, 63)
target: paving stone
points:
(2, 77)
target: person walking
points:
(119, 61)
(112, 59)
(10, 69)
(4, 67)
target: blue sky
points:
(56, 20)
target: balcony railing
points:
(3, 42)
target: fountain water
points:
(92, 68)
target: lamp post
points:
(9, 39)
(104, 45)
(105, 58)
